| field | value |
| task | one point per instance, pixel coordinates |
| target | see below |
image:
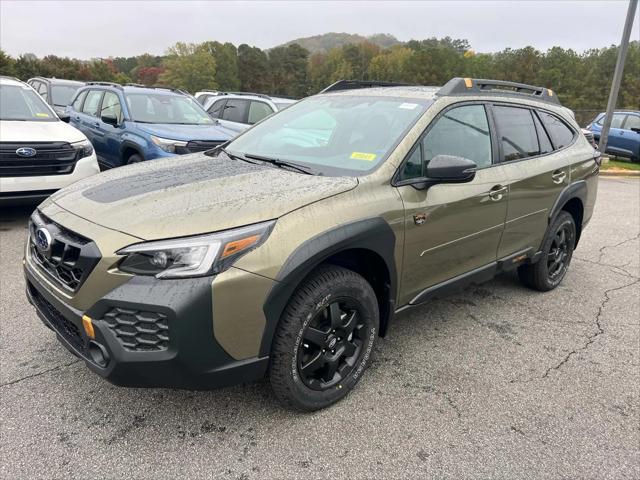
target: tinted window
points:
(543, 138)
(92, 102)
(258, 111)
(111, 106)
(560, 134)
(77, 103)
(235, 111)
(62, 94)
(633, 121)
(463, 132)
(216, 108)
(517, 133)
(413, 166)
(42, 90)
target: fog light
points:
(88, 326)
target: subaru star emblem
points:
(43, 241)
(26, 152)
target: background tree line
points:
(582, 80)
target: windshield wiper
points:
(282, 163)
(232, 156)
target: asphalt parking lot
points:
(494, 382)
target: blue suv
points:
(624, 136)
(131, 123)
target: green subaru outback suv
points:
(287, 252)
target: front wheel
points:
(135, 158)
(557, 250)
(324, 339)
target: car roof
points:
(418, 91)
(5, 80)
(58, 80)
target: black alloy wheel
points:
(559, 252)
(331, 344)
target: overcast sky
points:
(86, 29)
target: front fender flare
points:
(372, 234)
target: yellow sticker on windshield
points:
(369, 157)
(45, 115)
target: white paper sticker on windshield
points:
(408, 106)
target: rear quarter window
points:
(561, 135)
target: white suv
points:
(39, 153)
(238, 110)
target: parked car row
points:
(120, 125)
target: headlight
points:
(168, 145)
(83, 147)
(193, 256)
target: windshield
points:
(341, 135)
(62, 94)
(21, 103)
(164, 108)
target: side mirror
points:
(64, 116)
(443, 169)
(451, 169)
(110, 120)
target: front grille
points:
(51, 158)
(69, 258)
(60, 324)
(201, 145)
(138, 330)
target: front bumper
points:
(184, 354)
(21, 186)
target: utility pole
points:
(617, 75)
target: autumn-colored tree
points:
(190, 67)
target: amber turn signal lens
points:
(468, 82)
(239, 245)
(88, 326)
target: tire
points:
(135, 158)
(547, 273)
(313, 333)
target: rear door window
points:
(235, 110)
(516, 133)
(258, 111)
(92, 103)
(543, 138)
(561, 135)
(633, 121)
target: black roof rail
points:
(356, 84)
(477, 86)
(106, 84)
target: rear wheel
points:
(324, 339)
(557, 250)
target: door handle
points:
(96, 124)
(558, 177)
(497, 192)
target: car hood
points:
(193, 194)
(214, 132)
(58, 131)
